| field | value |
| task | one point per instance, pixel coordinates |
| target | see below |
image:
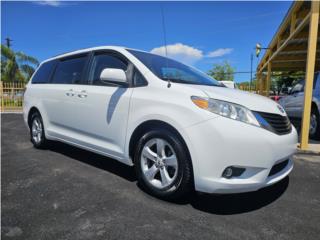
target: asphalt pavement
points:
(67, 193)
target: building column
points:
(268, 83)
(311, 58)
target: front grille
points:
(278, 167)
(274, 122)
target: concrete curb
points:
(309, 152)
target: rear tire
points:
(314, 124)
(37, 134)
(163, 165)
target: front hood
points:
(252, 101)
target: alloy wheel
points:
(159, 163)
(36, 130)
(313, 124)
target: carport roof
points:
(288, 48)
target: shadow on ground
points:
(224, 204)
(228, 204)
(95, 160)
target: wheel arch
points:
(32, 111)
(149, 125)
(314, 106)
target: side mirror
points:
(113, 75)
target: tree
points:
(16, 66)
(222, 72)
(282, 79)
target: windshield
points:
(168, 69)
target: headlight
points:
(226, 109)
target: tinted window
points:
(102, 61)
(165, 68)
(138, 79)
(69, 71)
(298, 87)
(43, 74)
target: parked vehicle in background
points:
(285, 90)
(229, 84)
(293, 104)
(181, 129)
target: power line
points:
(245, 72)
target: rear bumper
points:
(219, 143)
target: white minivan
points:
(181, 129)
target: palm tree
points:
(16, 66)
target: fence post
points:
(2, 98)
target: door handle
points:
(70, 93)
(82, 94)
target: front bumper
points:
(221, 142)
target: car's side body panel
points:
(316, 93)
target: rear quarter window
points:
(43, 74)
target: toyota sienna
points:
(181, 129)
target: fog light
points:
(230, 172)
(227, 173)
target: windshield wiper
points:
(178, 80)
(175, 80)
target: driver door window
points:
(102, 61)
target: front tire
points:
(163, 165)
(37, 133)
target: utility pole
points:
(8, 42)
(251, 73)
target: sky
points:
(197, 33)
